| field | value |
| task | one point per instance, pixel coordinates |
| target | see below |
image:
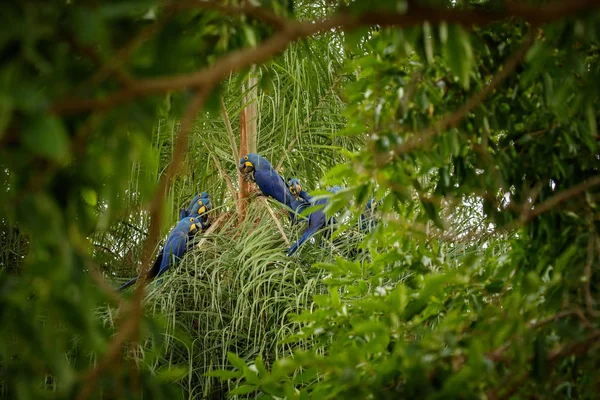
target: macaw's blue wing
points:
(367, 220)
(270, 183)
(316, 221)
(173, 251)
(273, 185)
(183, 213)
(151, 274)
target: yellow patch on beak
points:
(202, 210)
(193, 228)
(249, 164)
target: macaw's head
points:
(295, 187)
(371, 204)
(204, 205)
(192, 224)
(201, 204)
(248, 165)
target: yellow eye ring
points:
(191, 219)
(245, 157)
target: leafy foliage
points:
(474, 123)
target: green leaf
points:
(459, 54)
(428, 42)
(243, 389)
(172, 374)
(236, 361)
(224, 374)
(89, 196)
(46, 136)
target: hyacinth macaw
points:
(367, 219)
(173, 250)
(316, 219)
(257, 169)
(198, 208)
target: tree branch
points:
(295, 30)
(260, 13)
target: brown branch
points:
(132, 312)
(122, 55)
(212, 228)
(90, 52)
(244, 187)
(564, 196)
(259, 13)
(294, 30)
(528, 215)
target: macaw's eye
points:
(245, 157)
(191, 219)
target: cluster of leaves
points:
(66, 173)
(514, 314)
(479, 279)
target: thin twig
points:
(529, 214)
(224, 175)
(212, 228)
(92, 54)
(276, 220)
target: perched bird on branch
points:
(198, 208)
(367, 220)
(257, 169)
(317, 219)
(173, 251)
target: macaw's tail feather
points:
(153, 273)
(126, 285)
(305, 236)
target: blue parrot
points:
(257, 169)
(198, 208)
(173, 250)
(316, 219)
(367, 219)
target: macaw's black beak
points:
(295, 190)
(247, 169)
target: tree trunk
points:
(248, 138)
